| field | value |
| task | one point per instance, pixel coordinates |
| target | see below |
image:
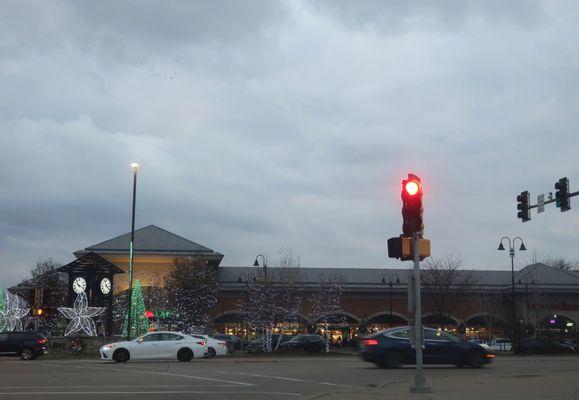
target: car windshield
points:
(298, 338)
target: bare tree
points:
(443, 280)
(491, 304)
(192, 289)
(560, 263)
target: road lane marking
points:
(154, 392)
(283, 378)
(111, 386)
(141, 371)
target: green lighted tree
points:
(139, 322)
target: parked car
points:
(257, 346)
(26, 345)
(156, 345)
(537, 345)
(391, 349)
(481, 343)
(215, 347)
(500, 345)
(233, 342)
(310, 343)
(574, 343)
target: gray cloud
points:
(267, 124)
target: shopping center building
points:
(547, 300)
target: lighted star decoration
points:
(81, 316)
(14, 309)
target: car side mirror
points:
(140, 341)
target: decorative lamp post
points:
(512, 255)
(389, 278)
(135, 168)
(526, 280)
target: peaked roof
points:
(546, 275)
(91, 261)
(152, 240)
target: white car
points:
(155, 346)
(500, 345)
(215, 347)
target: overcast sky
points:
(268, 124)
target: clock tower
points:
(93, 275)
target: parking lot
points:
(274, 377)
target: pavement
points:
(272, 377)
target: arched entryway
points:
(441, 321)
(384, 320)
(341, 329)
(231, 323)
(484, 326)
(557, 326)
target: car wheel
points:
(392, 359)
(184, 355)
(475, 360)
(27, 354)
(121, 355)
(211, 352)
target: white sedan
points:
(155, 346)
(215, 347)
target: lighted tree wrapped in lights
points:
(326, 303)
(13, 308)
(81, 316)
(1, 299)
(139, 322)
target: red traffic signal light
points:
(412, 206)
(412, 187)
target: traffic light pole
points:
(420, 385)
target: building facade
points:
(546, 300)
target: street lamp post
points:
(135, 167)
(526, 280)
(267, 333)
(390, 281)
(512, 255)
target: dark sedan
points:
(309, 343)
(26, 345)
(233, 342)
(536, 345)
(277, 341)
(391, 349)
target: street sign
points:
(540, 203)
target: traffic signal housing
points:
(563, 201)
(523, 203)
(403, 248)
(412, 206)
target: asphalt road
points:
(235, 378)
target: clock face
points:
(79, 285)
(105, 285)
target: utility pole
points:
(420, 385)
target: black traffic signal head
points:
(523, 203)
(412, 206)
(563, 201)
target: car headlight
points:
(108, 346)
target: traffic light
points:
(563, 201)
(523, 202)
(38, 312)
(412, 206)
